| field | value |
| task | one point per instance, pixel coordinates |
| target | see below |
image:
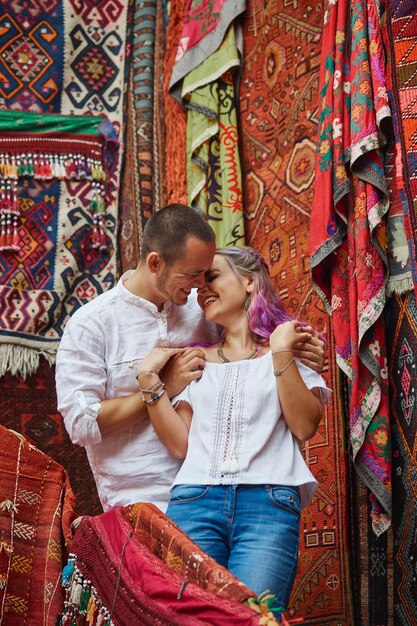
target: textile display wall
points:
(143, 184)
(66, 59)
(60, 61)
(278, 103)
(36, 510)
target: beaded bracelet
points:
(279, 372)
(154, 396)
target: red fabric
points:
(348, 236)
(166, 540)
(141, 588)
(36, 510)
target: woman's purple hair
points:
(265, 311)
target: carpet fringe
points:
(22, 361)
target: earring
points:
(247, 303)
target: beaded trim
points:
(81, 599)
(49, 157)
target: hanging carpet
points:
(36, 510)
(278, 107)
(204, 79)
(348, 231)
(78, 52)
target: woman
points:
(244, 480)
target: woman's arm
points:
(118, 414)
(301, 407)
(171, 425)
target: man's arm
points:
(120, 413)
(81, 382)
(313, 351)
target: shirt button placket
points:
(163, 325)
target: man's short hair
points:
(167, 230)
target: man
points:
(105, 340)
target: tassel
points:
(68, 571)
(76, 592)
(91, 607)
(229, 466)
(7, 505)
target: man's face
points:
(174, 282)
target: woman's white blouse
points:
(238, 434)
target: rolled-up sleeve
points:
(81, 380)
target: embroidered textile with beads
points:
(137, 567)
(47, 147)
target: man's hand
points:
(312, 351)
(184, 367)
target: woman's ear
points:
(154, 262)
(249, 284)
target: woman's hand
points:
(156, 359)
(303, 341)
(186, 366)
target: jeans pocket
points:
(187, 493)
(287, 498)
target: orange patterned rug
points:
(278, 103)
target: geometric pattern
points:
(401, 317)
(95, 70)
(57, 268)
(35, 515)
(401, 20)
(29, 407)
(29, 52)
(102, 12)
(278, 97)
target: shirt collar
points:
(138, 301)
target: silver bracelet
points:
(279, 372)
(156, 387)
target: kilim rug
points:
(401, 318)
(76, 50)
(29, 407)
(402, 29)
(348, 234)
(278, 106)
(135, 566)
(204, 80)
(372, 564)
(400, 264)
(36, 510)
(174, 113)
(143, 177)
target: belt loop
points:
(267, 488)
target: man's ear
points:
(154, 262)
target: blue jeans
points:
(252, 530)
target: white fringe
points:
(21, 360)
(399, 286)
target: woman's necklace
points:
(224, 358)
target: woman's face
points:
(224, 293)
